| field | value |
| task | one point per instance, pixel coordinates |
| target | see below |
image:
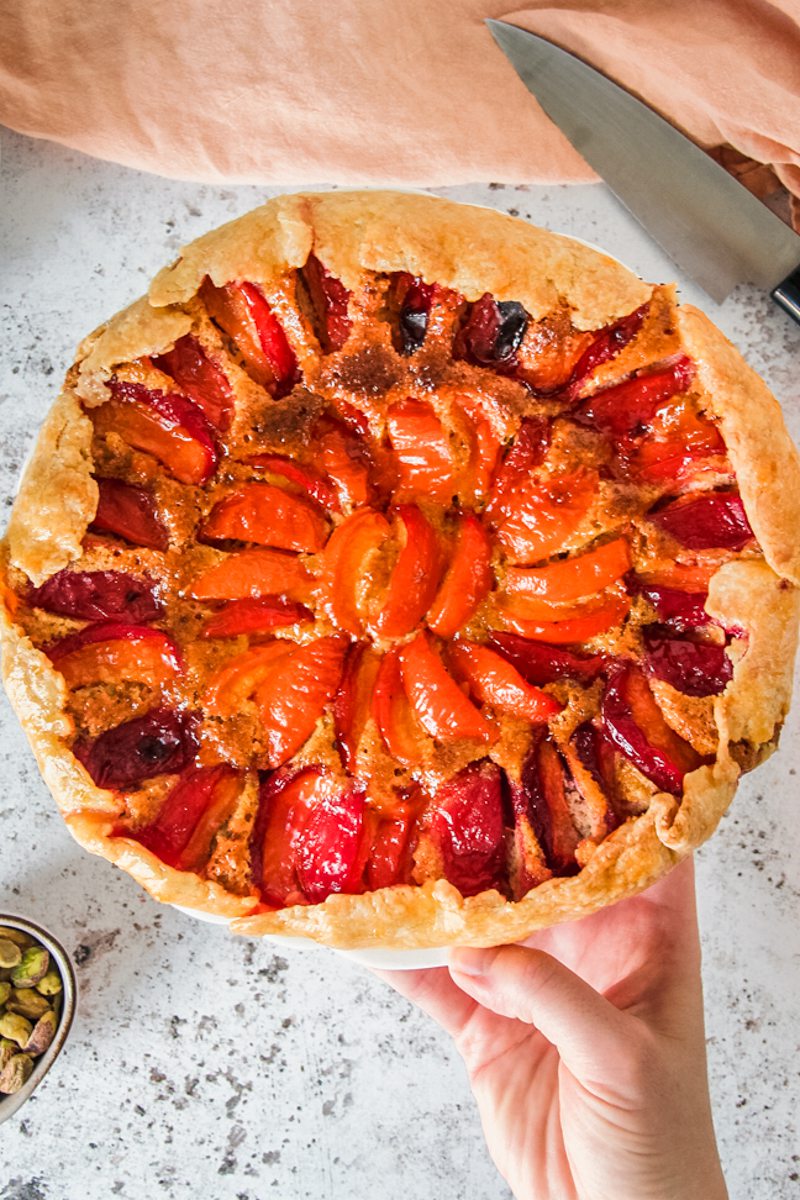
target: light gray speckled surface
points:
(200, 1064)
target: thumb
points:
(534, 987)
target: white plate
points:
(376, 960)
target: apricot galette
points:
(400, 574)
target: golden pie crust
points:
(473, 251)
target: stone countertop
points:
(201, 1062)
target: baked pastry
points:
(400, 574)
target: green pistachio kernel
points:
(50, 984)
(28, 1003)
(32, 968)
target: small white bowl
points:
(42, 1064)
(375, 960)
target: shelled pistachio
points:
(32, 967)
(28, 1003)
(13, 1026)
(17, 936)
(30, 1006)
(10, 953)
(50, 984)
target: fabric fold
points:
(401, 91)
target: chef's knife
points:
(710, 225)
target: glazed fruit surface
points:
(387, 586)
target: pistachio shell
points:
(10, 953)
(15, 1073)
(7, 1050)
(42, 1035)
(32, 969)
(13, 1026)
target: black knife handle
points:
(787, 294)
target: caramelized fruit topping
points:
(397, 722)
(255, 615)
(467, 580)
(467, 827)
(98, 596)
(241, 310)
(330, 299)
(541, 664)
(629, 407)
(694, 668)
(261, 572)
(267, 516)
(309, 837)
(634, 723)
(162, 742)
(414, 579)
(541, 798)
(199, 378)
(331, 848)
(675, 608)
(438, 702)
(494, 681)
(353, 703)
(200, 802)
(607, 344)
(540, 515)
(492, 333)
(711, 520)
(166, 425)
(413, 298)
(107, 651)
(130, 513)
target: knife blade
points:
(710, 225)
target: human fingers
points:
(662, 923)
(676, 892)
(533, 987)
(434, 991)
(655, 932)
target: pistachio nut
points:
(50, 984)
(32, 968)
(7, 1050)
(15, 1073)
(42, 1035)
(5, 992)
(17, 936)
(10, 953)
(13, 1026)
(27, 1002)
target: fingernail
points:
(466, 960)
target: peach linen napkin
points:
(410, 92)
